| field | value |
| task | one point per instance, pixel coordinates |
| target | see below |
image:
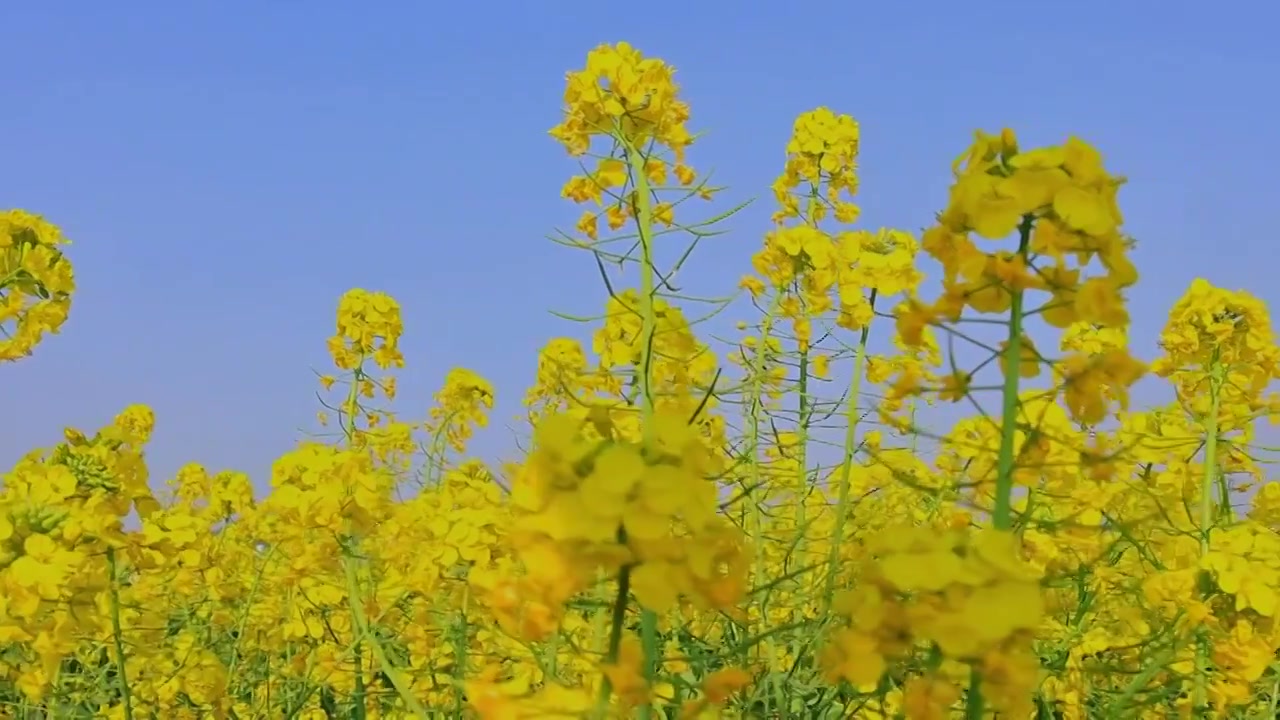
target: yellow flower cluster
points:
(1064, 202)
(462, 406)
(810, 270)
(823, 151)
(622, 91)
(700, 527)
(972, 597)
(62, 511)
(623, 96)
(36, 282)
(647, 505)
(1225, 339)
(368, 325)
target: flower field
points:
(757, 523)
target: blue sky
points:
(226, 170)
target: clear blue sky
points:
(226, 170)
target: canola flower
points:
(677, 539)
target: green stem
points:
(851, 419)
(1120, 706)
(617, 620)
(915, 437)
(754, 408)
(362, 631)
(648, 327)
(976, 704)
(802, 448)
(245, 612)
(1002, 512)
(126, 693)
(1207, 521)
(461, 643)
(619, 615)
(1210, 455)
(644, 229)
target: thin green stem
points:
(245, 613)
(804, 412)
(361, 622)
(617, 619)
(1002, 512)
(754, 408)
(1216, 376)
(912, 410)
(618, 616)
(644, 229)
(126, 694)
(1207, 521)
(976, 704)
(461, 643)
(851, 418)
